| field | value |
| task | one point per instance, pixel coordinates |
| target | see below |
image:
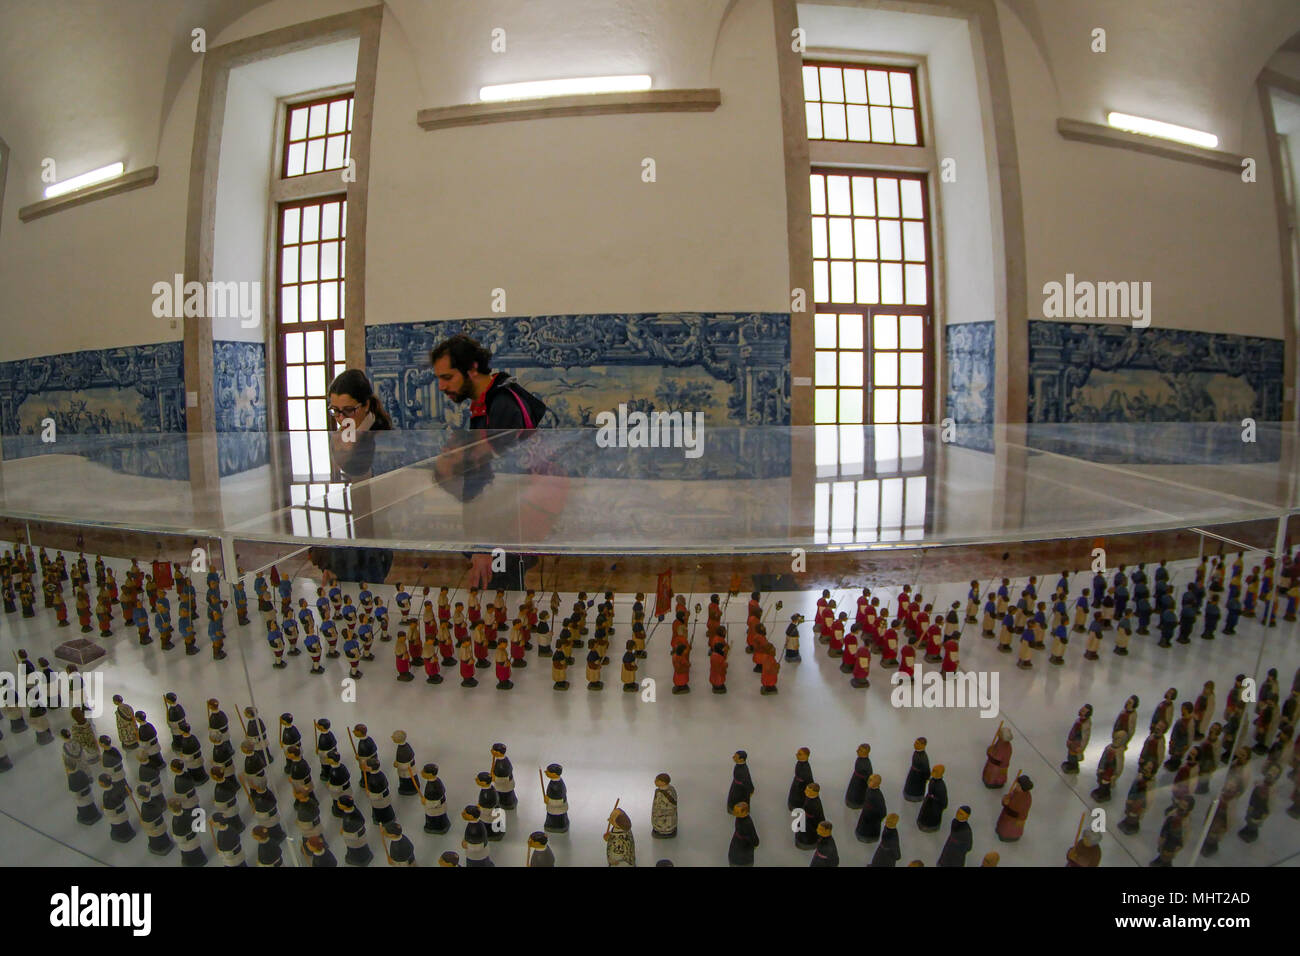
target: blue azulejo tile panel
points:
(1118, 376)
(970, 356)
(732, 367)
(91, 396)
(239, 384)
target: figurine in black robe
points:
(744, 839)
(742, 785)
(354, 834)
(539, 843)
(401, 851)
(873, 812)
(435, 801)
(813, 815)
(930, 815)
(856, 793)
(959, 842)
(802, 777)
(889, 852)
(825, 853)
(914, 786)
(557, 801)
(318, 852)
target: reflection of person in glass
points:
(357, 415)
(463, 369)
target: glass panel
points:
(913, 238)
(819, 237)
(823, 405)
(912, 441)
(343, 267)
(339, 368)
(868, 283)
(338, 121)
(289, 265)
(911, 368)
(320, 452)
(821, 504)
(316, 380)
(914, 498)
(853, 450)
(821, 282)
(868, 508)
(329, 301)
(882, 124)
(887, 197)
(329, 220)
(338, 344)
(841, 507)
(297, 124)
(837, 195)
(289, 305)
(301, 462)
(900, 89)
(824, 331)
(855, 86)
(824, 368)
(851, 403)
(291, 218)
(315, 155)
(911, 332)
(832, 85)
(813, 114)
(297, 154)
(310, 223)
(329, 260)
(294, 384)
(293, 347)
(911, 405)
(916, 293)
(309, 254)
(878, 86)
(343, 228)
(351, 102)
(316, 415)
(891, 283)
(891, 502)
(905, 127)
(316, 123)
(297, 415)
(817, 192)
(851, 331)
(864, 196)
(309, 313)
(850, 369)
(864, 237)
(886, 369)
(859, 124)
(884, 333)
(891, 240)
(811, 86)
(319, 523)
(911, 189)
(297, 494)
(886, 448)
(316, 346)
(841, 281)
(841, 231)
(334, 152)
(834, 125)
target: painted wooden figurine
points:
(742, 785)
(873, 812)
(914, 785)
(620, 845)
(998, 759)
(557, 801)
(663, 809)
(856, 793)
(744, 837)
(960, 840)
(935, 802)
(1110, 766)
(803, 776)
(1015, 810)
(1076, 742)
(888, 853)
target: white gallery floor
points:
(612, 744)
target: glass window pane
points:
(329, 221)
(309, 311)
(853, 449)
(824, 368)
(826, 449)
(297, 414)
(343, 227)
(891, 283)
(297, 494)
(817, 191)
(868, 283)
(864, 238)
(914, 499)
(291, 218)
(316, 122)
(299, 454)
(315, 346)
(339, 368)
(294, 383)
(811, 86)
(891, 502)
(841, 281)
(316, 416)
(841, 516)
(309, 253)
(813, 114)
(293, 347)
(911, 368)
(905, 127)
(864, 196)
(821, 504)
(320, 453)
(343, 264)
(351, 102)
(913, 441)
(319, 521)
(900, 88)
(859, 124)
(884, 333)
(841, 238)
(886, 440)
(338, 121)
(289, 305)
(289, 265)
(297, 124)
(851, 369)
(334, 152)
(916, 292)
(878, 87)
(297, 154)
(824, 330)
(891, 239)
(886, 401)
(819, 237)
(329, 301)
(887, 197)
(310, 223)
(851, 331)
(823, 405)
(329, 260)
(316, 380)
(855, 86)
(910, 407)
(885, 372)
(821, 282)
(868, 508)
(834, 125)
(832, 84)
(837, 195)
(911, 189)
(851, 402)
(882, 124)
(315, 155)
(914, 241)
(911, 332)
(338, 344)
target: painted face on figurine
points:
(452, 382)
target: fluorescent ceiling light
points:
(581, 84)
(1150, 127)
(85, 179)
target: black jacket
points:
(506, 402)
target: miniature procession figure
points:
(663, 809)
(873, 812)
(742, 785)
(744, 837)
(914, 785)
(620, 845)
(998, 759)
(856, 793)
(930, 816)
(960, 840)
(556, 796)
(802, 777)
(1076, 742)
(888, 853)
(1015, 810)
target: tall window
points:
(861, 104)
(318, 136)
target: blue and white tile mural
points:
(1117, 376)
(732, 367)
(971, 362)
(114, 406)
(239, 383)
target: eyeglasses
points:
(336, 412)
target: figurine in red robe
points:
(1015, 810)
(718, 664)
(862, 667)
(849, 651)
(889, 650)
(998, 760)
(951, 650)
(908, 661)
(682, 669)
(403, 659)
(771, 668)
(503, 667)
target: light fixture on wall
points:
(537, 89)
(1150, 127)
(111, 171)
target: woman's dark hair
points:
(353, 382)
(463, 352)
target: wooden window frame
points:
(913, 72)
